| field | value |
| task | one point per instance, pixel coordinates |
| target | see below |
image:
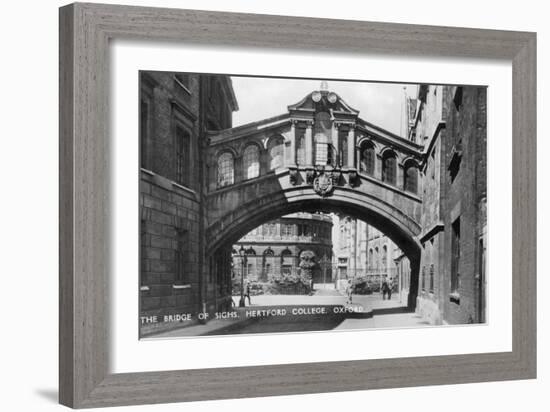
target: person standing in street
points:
(385, 288)
(349, 291)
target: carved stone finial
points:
(324, 85)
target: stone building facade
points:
(278, 247)
(364, 251)
(204, 185)
(176, 112)
(450, 122)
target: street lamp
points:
(242, 253)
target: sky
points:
(378, 103)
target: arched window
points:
(367, 159)
(226, 169)
(251, 162)
(268, 261)
(389, 167)
(275, 148)
(384, 257)
(301, 150)
(376, 258)
(286, 261)
(411, 177)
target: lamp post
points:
(242, 253)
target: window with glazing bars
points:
(251, 161)
(225, 170)
(183, 148)
(389, 169)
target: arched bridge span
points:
(320, 156)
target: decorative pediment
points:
(323, 101)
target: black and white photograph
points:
(284, 205)
(216, 205)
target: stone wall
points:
(454, 190)
(465, 197)
(454, 187)
(175, 275)
(169, 215)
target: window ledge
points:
(183, 187)
(181, 286)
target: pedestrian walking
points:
(390, 287)
(349, 291)
(385, 288)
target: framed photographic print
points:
(257, 205)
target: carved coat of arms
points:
(323, 184)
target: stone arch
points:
(387, 151)
(410, 159)
(225, 149)
(378, 147)
(251, 141)
(399, 227)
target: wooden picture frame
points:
(85, 31)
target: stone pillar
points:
(335, 144)
(238, 169)
(400, 176)
(309, 144)
(358, 158)
(351, 147)
(292, 148)
(377, 166)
